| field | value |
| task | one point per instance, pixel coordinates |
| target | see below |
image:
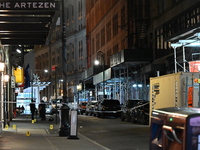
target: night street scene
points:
(99, 75)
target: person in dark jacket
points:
(42, 110)
(32, 108)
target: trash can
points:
(175, 128)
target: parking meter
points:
(175, 128)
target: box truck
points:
(175, 90)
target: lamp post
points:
(56, 93)
(97, 62)
(6, 104)
(2, 66)
(64, 110)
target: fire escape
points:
(138, 23)
(140, 11)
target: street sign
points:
(53, 67)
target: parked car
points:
(55, 104)
(140, 113)
(48, 107)
(108, 107)
(90, 107)
(126, 107)
(82, 107)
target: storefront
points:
(33, 92)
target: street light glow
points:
(18, 50)
(96, 62)
(6, 78)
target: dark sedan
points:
(126, 107)
(140, 113)
(108, 107)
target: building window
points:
(123, 18)
(185, 20)
(68, 57)
(108, 57)
(72, 52)
(80, 9)
(123, 44)
(80, 50)
(67, 16)
(103, 36)
(92, 3)
(108, 31)
(115, 49)
(80, 67)
(97, 42)
(115, 25)
(92, 46)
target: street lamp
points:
(6, 104)
(2, 66)
(6, 78)
(100, 57)
(64, 110)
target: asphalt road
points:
(113, 133)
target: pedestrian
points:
(22, 108)
(32, 108)
(42, 110)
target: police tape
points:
(139, 106)
(13, 102)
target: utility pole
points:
(64, 59)
(64, 110)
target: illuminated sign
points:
(33, 5)
(19, 75)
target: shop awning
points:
(27, 22)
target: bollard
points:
(64, 120)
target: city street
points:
(113, 133)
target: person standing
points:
(22, 108)
(32, 108)
(42, 110)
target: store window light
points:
(137, 85)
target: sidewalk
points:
(22, 134)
